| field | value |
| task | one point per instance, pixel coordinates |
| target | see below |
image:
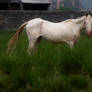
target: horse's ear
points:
(89, 16)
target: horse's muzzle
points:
(89, 33)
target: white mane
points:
(78, 20)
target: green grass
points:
(52, 68)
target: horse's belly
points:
(57, 33)
(53, 37)
(58, 37)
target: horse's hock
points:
(10, 20)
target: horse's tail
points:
(13, 40)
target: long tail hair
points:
(13, 40)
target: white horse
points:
(67, 31)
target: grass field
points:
(52, 68)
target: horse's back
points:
(34, 23)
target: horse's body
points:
(58, 32)
(67, 31)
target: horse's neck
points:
(81, 23)
(81, 26)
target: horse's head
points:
(88, 25)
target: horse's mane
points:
(79, 19)
(68, 20)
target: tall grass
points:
(52, 68)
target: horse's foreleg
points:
(71, 44)
(74, 41)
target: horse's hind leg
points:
(32, 45)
